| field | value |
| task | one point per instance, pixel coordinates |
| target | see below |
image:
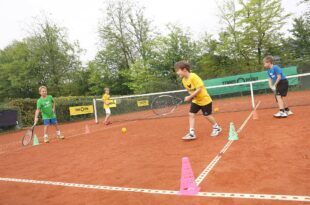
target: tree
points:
(54, 57)
(44, 58)
(261, 21)
(300, 40)
(214, 61)
(126, 38)
(232, 44)
(177, 45)
(17, 79)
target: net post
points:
(252, 95)
(95, 110)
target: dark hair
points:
(268, 59)
(183, 65)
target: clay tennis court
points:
(98, 164)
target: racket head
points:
(27, 138)
(165, 104)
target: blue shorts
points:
(52, 121)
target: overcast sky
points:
(81, 17)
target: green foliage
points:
(63, 104)
(27, 108)
(125, 36)
(45, 58)
(134, 57)
(145, 79)
(300, 40)
(262, 21)
(55, 59)
(252, 30)
(17, 77)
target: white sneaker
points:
(280, 114)
(216, 131)
(289, 113)
(189, 136)
(60, 136)
(46, 139)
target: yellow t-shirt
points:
(194, 82)
(106, 99)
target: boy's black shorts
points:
(282, 88)
(206, 109)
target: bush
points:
(63, 104)
(27, 108)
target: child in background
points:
(46, 105)
(106, 102)
(279, 85)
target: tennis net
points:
(226, 98)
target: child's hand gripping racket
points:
(165, 104)
(27, 138)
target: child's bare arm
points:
(188, 98)
(54, 106)
(278, 80)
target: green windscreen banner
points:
(248, 77)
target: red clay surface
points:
(271, 157)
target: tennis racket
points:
(275, 94)
(165, 104)
(27, 138)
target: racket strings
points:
(165, 104)
(27, 137)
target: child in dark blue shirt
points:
(279, 85)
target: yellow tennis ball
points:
(216, 109)
(124, 130)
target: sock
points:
(282, 110)
(45, 136)
(287, 109)
(215, 125)
(191, 131)
(58, 132)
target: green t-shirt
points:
(45, 105)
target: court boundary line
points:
(217, 158)
(163, 192)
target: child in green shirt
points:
(46, 105)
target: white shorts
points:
(107, 111)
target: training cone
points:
(255, 116)
(87, 131)
(35, 140)
(232, 132)
(188, 184)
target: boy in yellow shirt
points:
(106, 102)
(199, 97)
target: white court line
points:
(211, 165)
(162, 192)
